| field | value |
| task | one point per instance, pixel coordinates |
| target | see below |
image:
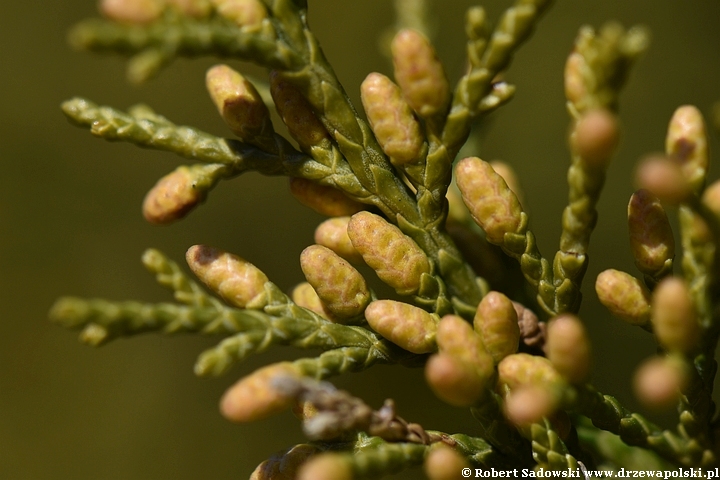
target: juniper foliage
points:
(425, 221)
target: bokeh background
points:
(70, 224)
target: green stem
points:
(607, 413)
(186, 36)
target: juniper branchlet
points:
(518, 355)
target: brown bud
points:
(530, 404)
(456, 337)
(237, 281)
(296, 113)
(624, 295)
(444, 463)
(326, 466)
(651, 238)
(497, 323)
(254, 397)
(325, 200)
(664, 178)
(453, 381)
(394, 256)
(333, 234)
(595, 137)
(341, 288)
(522, 369)
(568, 348)
(132, 11)
(419, 73)
(659, 382)
(172, 197)
(395, 127)
(462, 370)
(492, 204)
(405, 325)
(674, 317)
(711, 197)
(687, 142)
(238, 102)
(245, 13)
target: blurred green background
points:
(71, 225)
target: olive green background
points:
(70, 224)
